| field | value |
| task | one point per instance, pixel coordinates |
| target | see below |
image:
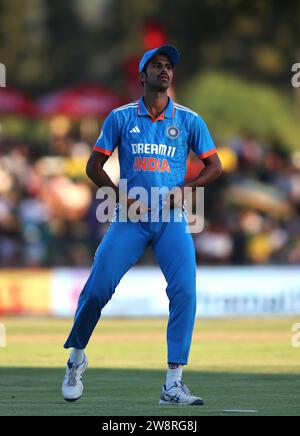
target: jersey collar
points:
(168, 113)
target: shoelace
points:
(184, 388)
(72, 379)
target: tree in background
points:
(51, 43)
(22, 43)
(231, 106)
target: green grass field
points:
(234, 364)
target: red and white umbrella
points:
(80, 101)
(14, 102)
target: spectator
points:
(48, 207)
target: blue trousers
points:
(123, 244)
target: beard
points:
(158, 87)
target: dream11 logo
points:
(296, 76)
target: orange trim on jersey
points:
(208, 153)
(102, 150)
(160, 118)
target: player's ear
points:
(142, 77)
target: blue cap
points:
(168, 50)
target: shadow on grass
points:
(135, 392)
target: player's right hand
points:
(136, 207)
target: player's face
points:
(159, 73)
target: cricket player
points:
(154, 136)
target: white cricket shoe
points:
(72, 386)
(179, 395)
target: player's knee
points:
(185, 294)
(189, 294)
(100, 289)
(99, 298)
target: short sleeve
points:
(109, 136)
(200, 140)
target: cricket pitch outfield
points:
(234, 364)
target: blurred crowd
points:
(48, 205)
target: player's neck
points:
(156, 102)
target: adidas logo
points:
(135, 130)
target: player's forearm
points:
(208, 175)
(100, 177)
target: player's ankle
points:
(174, 374)
(77, 356)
